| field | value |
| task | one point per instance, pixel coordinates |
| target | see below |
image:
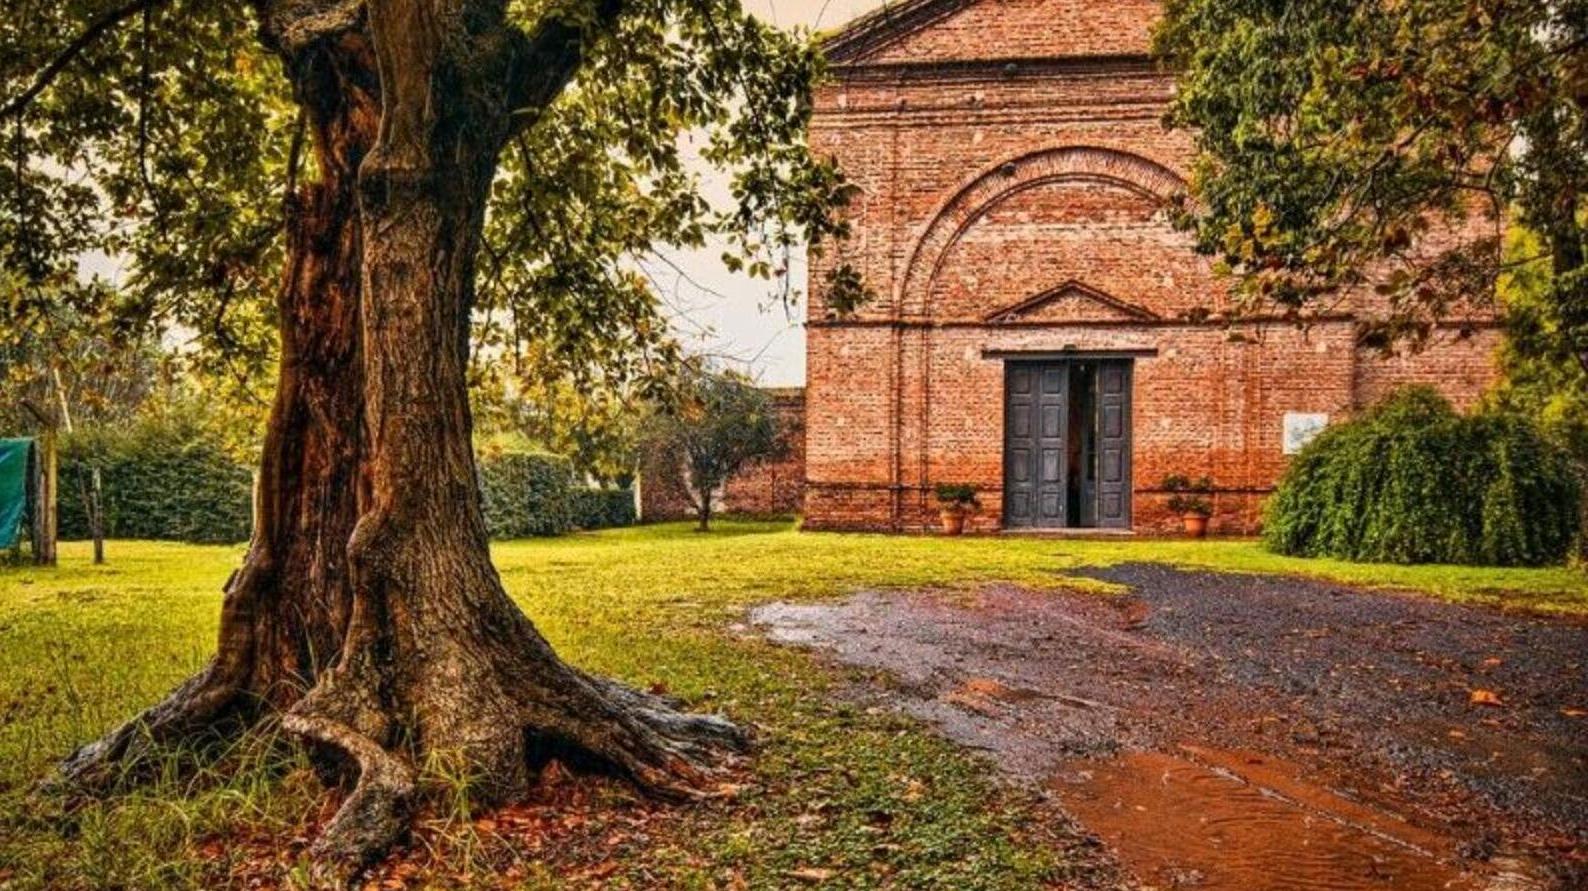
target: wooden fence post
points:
(44, 531)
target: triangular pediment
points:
(971, 30)
(886, 25)
(1073, 301)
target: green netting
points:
(13, 488)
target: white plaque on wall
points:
(1302, 428)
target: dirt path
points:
(1255, 732)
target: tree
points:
(419, 135)
(69, 369)
(592, 419)
(1541, 378)
(1338, 142)
(720, 423)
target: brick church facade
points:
(1040, 330)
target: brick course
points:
(1013, 173)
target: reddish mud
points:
(1176, 822)
(1254, 733)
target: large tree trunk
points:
(286, 610)
(368, 614)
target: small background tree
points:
(719, 423)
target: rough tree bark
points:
(703, 509)
(286, 610)
(368, 614)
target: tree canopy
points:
(162, 133)
(1337, 138)
(720, 423)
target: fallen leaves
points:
(1481, 696)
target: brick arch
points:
(991, 187)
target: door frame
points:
(1066, 359)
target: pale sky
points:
(735, 317)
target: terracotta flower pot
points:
(1196, 525)
(953, 519)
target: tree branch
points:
(96, 29)
(552, 57)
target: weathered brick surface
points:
(1013, 173)
(765, 488)
(1022, 28)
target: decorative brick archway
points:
(997, 184)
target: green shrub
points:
(603, 508)
(1189, 497)
(161, 478)
(526, 493)
(1412, 481)
(952, 495)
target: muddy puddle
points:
(1245, 734)
(1212, 820)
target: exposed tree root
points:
(375, 814)
(345, 721)
(209, 707)
(487, 697)
(664, 752)
(204, 709)
(668, 752)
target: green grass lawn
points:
(865, 798)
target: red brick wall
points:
(765, 488)
(1026, 28)
(1017, 207)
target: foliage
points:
(163, 144)
(169, 142)
(720, 423)
(1541, 379)
(595, 423)
(1412, 481)
(526, 493)
(64, 369)
(163, 477)
(1333, 137)
(957, 495)
(602, 508)
(1187, 496)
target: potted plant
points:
(1189, 499)
(955, 501)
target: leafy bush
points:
(526, 493)
(1189, 497)
(160, 478)
(603, 508)
(1412, 481)
(957, 495)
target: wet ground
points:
(1251, 732)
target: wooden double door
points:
(1067, 444)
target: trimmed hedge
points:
(159, 479)
(526, 493)
(1412, 481)
(603, 508)
(165, 479)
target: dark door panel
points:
(1034, 429)
(1113, 485)
(1019, 446)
